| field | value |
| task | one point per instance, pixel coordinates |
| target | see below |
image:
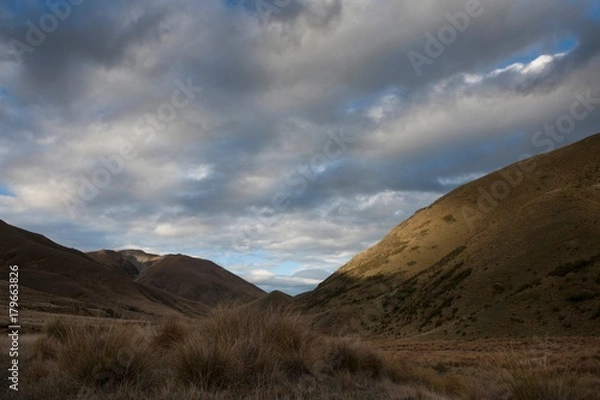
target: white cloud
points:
(199, 172)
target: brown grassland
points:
(241, 353)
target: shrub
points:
(581, 296)
(449, 219)
(568, 268)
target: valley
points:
(446, 306)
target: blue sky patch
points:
(369, 100)
(5, 192)
(595, 11)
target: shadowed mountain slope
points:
(188, 277)
(274, 301)
(118, 261)
(63, 280)
(197, 279)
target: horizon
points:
(277, 144)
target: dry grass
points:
(231, 354)
(57, 328)
(244, 354)
(242, 350)
(504, 368)
(529, 379)
(169, 332)
(103, 357)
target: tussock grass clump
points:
(102, 357)
(170, 331)
(356, 358)
(239, 348)
(57, 328)
(45, 348)
(526, 379)
(206, 366)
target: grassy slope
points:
(530, 265)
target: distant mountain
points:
(187, 277)
(57, 279)
(199, 280)
(54, 279)
(117, 261)
(139, 258)
(516, 252)
(274, 301)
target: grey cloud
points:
(271, 93)
(57, 71)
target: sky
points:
(277, 138)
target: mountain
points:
(197, 279)
(191, 278)
(54, 279)
(514, 253)
(57, 279)
(139, 258)
(274, 301)
(117, 261)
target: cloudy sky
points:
(276, 137)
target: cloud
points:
(252, 172)
(294, 284)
